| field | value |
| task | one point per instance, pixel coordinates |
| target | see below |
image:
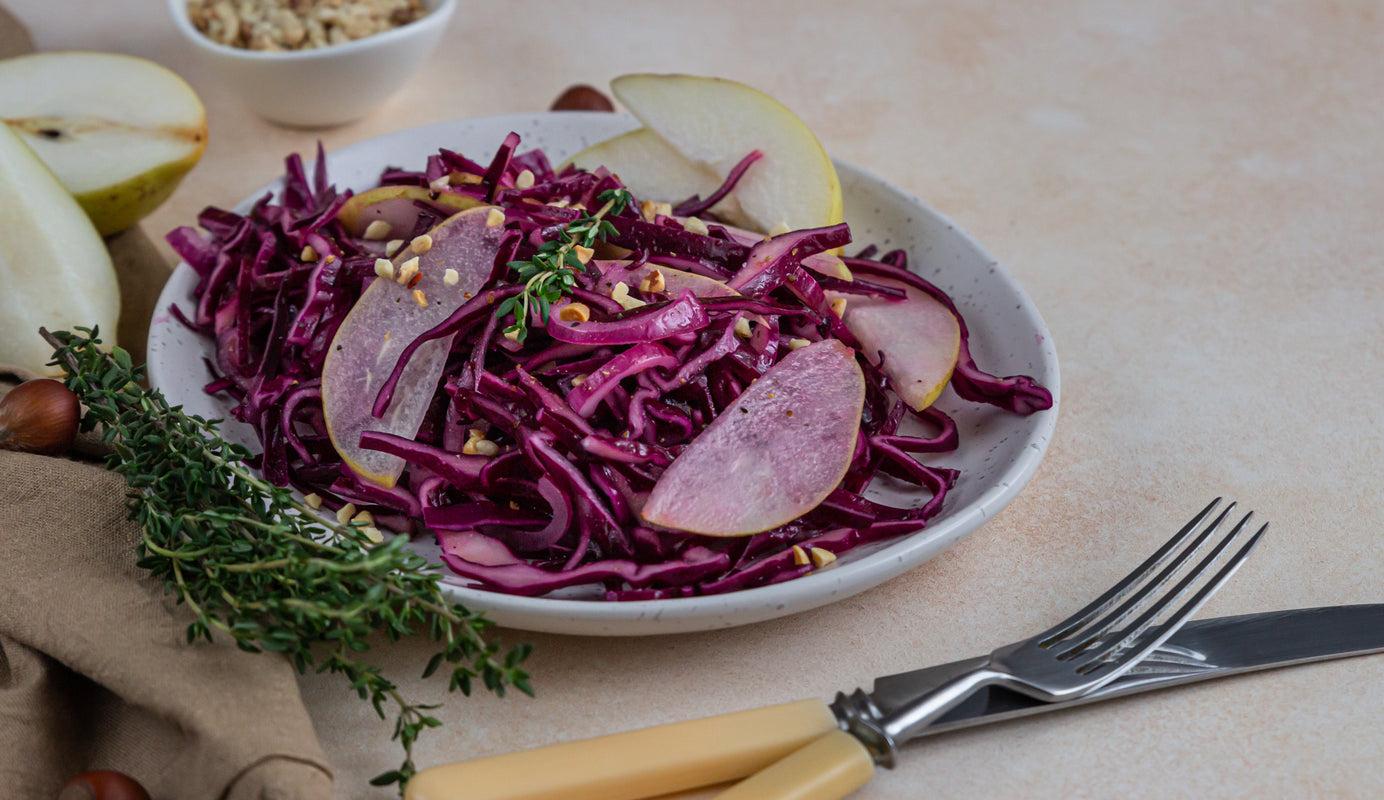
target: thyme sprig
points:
(552, 271)
(254, 563)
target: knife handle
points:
(636, 764)
(828, 769)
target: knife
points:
(680, 756)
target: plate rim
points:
(743, 606)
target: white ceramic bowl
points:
(323, 86)
(999, 452)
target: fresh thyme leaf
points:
(255, 564)
(551, 272)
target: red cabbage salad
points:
(569, 385)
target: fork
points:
(1077, 656)
(810, 750)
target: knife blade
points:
(1202, 650)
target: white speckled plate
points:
(999, 452)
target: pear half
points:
(119, 132)
(715, 123)
(54, 268)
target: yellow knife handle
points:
(637, 764)
(828, 769)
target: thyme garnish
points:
(552, 272)
(255, 564)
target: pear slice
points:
(918, 338)
(394, 206)
(54, 268)
(385, 320)
(715, 123)
(655, 170)
(772, 455)
(119, 132)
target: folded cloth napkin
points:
(96, 671)
(95, 668)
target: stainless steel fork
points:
(1083, 652)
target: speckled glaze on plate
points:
(999, 451)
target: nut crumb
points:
(373, 534)
(384, 268)
(574, 312)
(620, 293)
(420, 298)
(440, 184)
(838, 307)
(795, 343)
(314, 501)
(344, 514)
(653, 282)
(821, 557)
(524, 180)
(376, 231)
(695, 225)
(421, 244)
(407, 270)
(309, 255)
(450, 277)
(800, 556)
(494, 217)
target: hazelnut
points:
(581, 97)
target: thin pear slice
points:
(386, 319)
(716, 122)
(772, 455)
(54, 268)
(119, 132)
(654, 170)
(674, 280)
(827, 263)
(394, 205)
(917, 337)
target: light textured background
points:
(1192, 194)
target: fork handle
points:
(828, 769)
(635, 764)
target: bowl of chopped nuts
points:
(316, 63)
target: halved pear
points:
(394, 206)
(119, 132)
(655, 170)
(54, 268)
(715, 123)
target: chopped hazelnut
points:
(800, 556)
(578, 380)
(363, 516)
(584, 254)
(494, 217)
(838, 307)
(308, 255)
(344, 514)
(420, 298)
(620, 293)
(407, 271)
(440, 184)
(384, 268)
(653, 282)
(821, 557)
(450, 277)
(314, 501)
(742, 328)
(420, 244)
(376, 231)
(524, 180)
(795, 343)
(574, 312)
(694, 225)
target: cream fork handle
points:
(636, 764)
(828, 769)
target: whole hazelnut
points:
(581, 97)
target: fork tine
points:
(1138, 629)
(1117, 592)
(1148, 591)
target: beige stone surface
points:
(1191, 192)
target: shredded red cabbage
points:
(582, 417)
